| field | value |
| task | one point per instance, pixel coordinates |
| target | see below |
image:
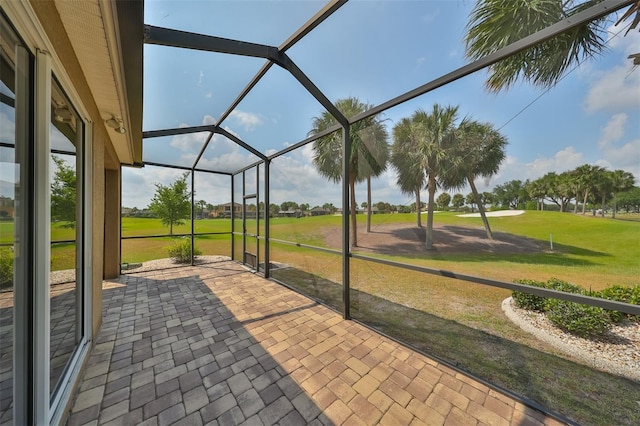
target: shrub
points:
(575, 318)
(181, 251)
(537, 303)
(559, 285)
(578, 319)
(620, 293)
(529, 301)
(6, 267)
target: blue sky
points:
(373, 50)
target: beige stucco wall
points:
(103, 153)
(112, 224)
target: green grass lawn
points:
(589, 251)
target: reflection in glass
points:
(65, 287)
(9, 187)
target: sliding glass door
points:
(16, 226)
(65, 278)
(44, 296)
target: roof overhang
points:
(107, 37)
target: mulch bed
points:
(408, 239)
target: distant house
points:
(318, 211)
(290, 213)
(224, 210)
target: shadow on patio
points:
(216, 344)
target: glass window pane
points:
(66, 207)
(9, 187)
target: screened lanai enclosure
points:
(410, 165)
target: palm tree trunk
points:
(418, 209)
(353, 209)
(483, 215)
(615, 205)
(584, 201)
(368, 204)
(604, 197)
(432, 193)
(575, 207)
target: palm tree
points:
(368, 156)
(604, 188)
(376, 156)
(410, 175)
(425, 140)
(536, 191)
(479, 151)
(494, 24)
(585, 178)
(620, 182)
(201, 204)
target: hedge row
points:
(575, 318)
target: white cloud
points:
(294, 177)
(617, 39)
(617, 156)
(307, 152)
(208, 120)
(223, 154)
(619, 87)
(138, 185)
(512, 168)
(190, 142)
(246, 119)
(613, 131)
(563, 160)
(614, 89)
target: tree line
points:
(585, 185)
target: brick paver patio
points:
(216, 344)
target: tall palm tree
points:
(375, 156)
(479, 151)
(536, 191)
(426, 150)
(620, 181)
(201, 204)
(410, 175)
(585, 178)
(437, 127)
(494, 24)
(368, 156)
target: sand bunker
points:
(499, 213)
